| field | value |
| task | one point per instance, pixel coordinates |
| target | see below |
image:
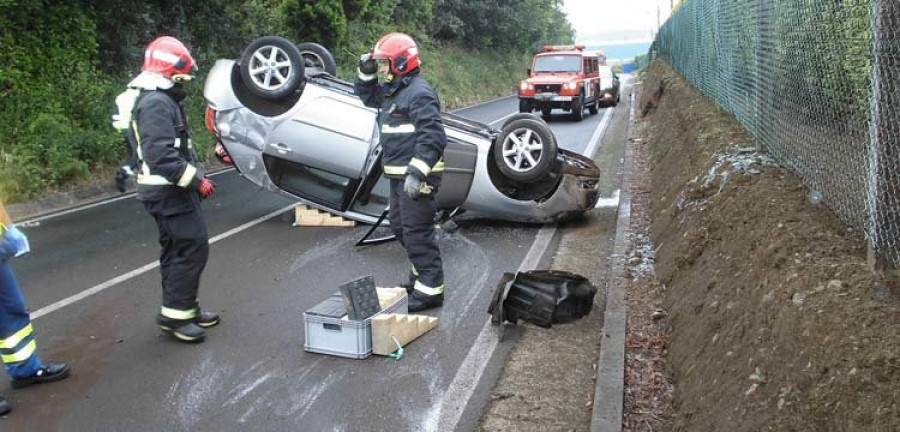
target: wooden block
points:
(308, 216)
(388, 296)
(405, 328)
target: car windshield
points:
(557, 63)
(606, 72)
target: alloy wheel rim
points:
(522, 150)
(270, 67)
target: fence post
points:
(883, 195)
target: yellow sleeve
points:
(5, 221)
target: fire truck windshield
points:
(557, 63)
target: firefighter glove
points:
(415, 187)
(13, 243)
(367, 64)
(206, 188)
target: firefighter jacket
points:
(412, 132)
(167, 172)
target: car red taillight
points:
(211, 121)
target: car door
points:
(322, 150)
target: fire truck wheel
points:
(524, 106)
(594, 107)
(578, 109)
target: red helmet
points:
(168, 57)
(400, 50)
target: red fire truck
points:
(564, 77)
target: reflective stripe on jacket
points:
(412, 131)
(167, 169)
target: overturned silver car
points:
(289, 125)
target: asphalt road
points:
(92, 284)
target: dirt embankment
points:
(773, 319)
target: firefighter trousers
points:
(184, 250)
(17, 341)
(412, 221)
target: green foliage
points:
(465, 76)
(516, 25)
(62, 62)
(314, 20)
(48, 87)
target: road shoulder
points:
(548, 382)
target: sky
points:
(603, 22)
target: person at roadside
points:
(122, 122)
(171, 186)
(18, 347)
(413, 142)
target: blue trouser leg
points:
(17, 341)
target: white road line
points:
(594, 143)
(472, 368)
(27, 222)
(502, 118)
(484, 103)
(139, 271)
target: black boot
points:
(49, 373)
(419, 301)
(4, 406)
(122, 176)
(410, 283)
(189, 333)
(183, 330)
(207, 319)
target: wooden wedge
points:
(308, 216)
(389, 296)
(404, 328)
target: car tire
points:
(260, 78)
(525, 149)
(524, 106)
(546, 111)
(594, 107)
(316, 57)
(618, 98)
(578, 109)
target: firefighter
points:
(171, 186)
(17, 340)
(413, 141)
(122, 124)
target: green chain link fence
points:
(816, 83)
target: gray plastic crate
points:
(327, 333)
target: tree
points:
(321, 21)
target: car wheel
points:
(546, 111)
(272, 67)
(524, 106)
(578, 109)
(618, 98)
(531, 117)
(525, 150)
(594, 107)
(317, 57)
